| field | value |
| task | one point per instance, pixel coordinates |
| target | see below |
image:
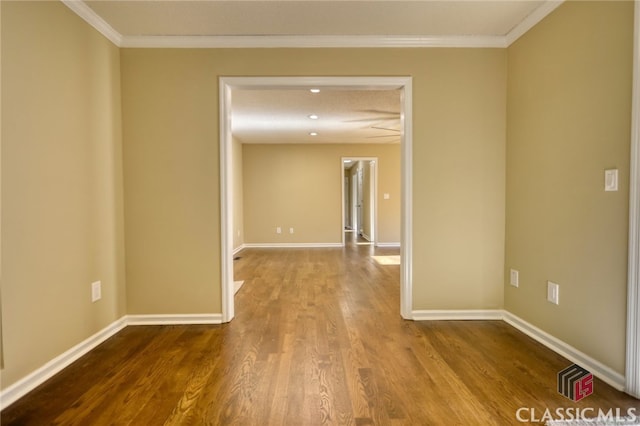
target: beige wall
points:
(568, 120)
(62, 219)
(238, 194)
(170, 110)
(299, 186)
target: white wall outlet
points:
(514, 279)
(291, 230)
(96, 291)
(611, 180)
(386, 196)
(278, 230)
(553, 292)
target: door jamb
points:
(227, 84)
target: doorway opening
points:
(227, 85)
(360, 200)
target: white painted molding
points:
(406, 209)
(292, 245)
(312, 41)
(226, 202)
(238, 249)
(85, 12)
(633, 285)
(309, 41)
(393, 245)
(366, 237)
(598, 369)
(25, 385)
(456, 315)
(533, 19)
(173, 319)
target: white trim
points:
(312, 41)
(456, 315)
(395, 245)
(633, 284)
(238, 249)
(226, 84)
(90, 17)
(293, 245)
(532, 20)
(572, 354)
(173, 319)
(406, 207)
(25, 385)
(226, 203)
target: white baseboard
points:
(238, 249)
(598, 369)
(174, 319)
(25, 385)
(17, 390)
(292, 245)
(452, 315)
(393, 245)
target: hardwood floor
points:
(317, 340)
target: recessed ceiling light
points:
(313, 117)
(313, 134)
(347, 161)
(314, 90)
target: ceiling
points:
(324, 17)
(330, 116)
(282, 115)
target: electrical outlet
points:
(96, 291)
(611, 180)
(514, 278)
(278, 230)
(291, 230)
(553, 293)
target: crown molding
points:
(311, 41)
(531, 20)
(85, 12)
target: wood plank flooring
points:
(317, 340)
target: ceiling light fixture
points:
(313, 134)
(314, 90)
(313, 117)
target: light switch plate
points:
(611, 180)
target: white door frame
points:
(373, 187)
(632, 373)
(226, 86)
